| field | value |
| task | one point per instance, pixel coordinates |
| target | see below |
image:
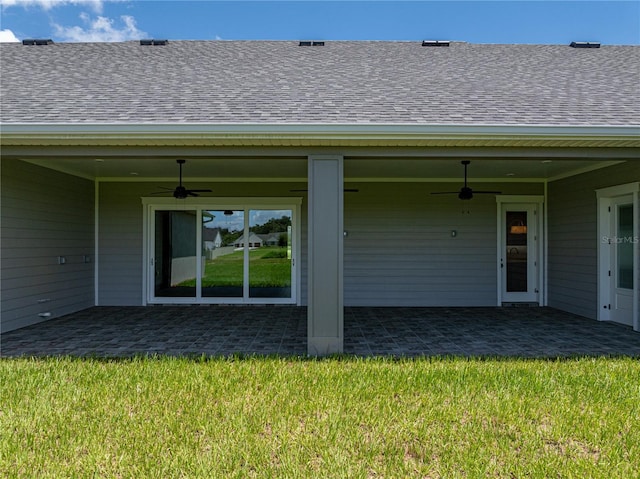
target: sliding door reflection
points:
(175, 254)
(270, 257)
(222, 254)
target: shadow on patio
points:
(266, 330)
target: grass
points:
(340, 417)
(268, 267)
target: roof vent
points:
(585, 45)
(435, 43)
(37, 41)
(153, 41)
(307, 43)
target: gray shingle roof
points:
(341, 82)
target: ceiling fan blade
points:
(200, 191)
(445, 192)
(487, 192)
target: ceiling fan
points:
(465, 192)
(180, 192)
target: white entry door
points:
(518, 258)
(621, 240)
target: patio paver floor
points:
(281, 330)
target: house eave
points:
(310, 135)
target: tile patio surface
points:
(266, 330)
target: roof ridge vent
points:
(309, 43)
(584, 44)
(435, 43)
(37, 41)
(153, 41)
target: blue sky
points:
(542, 21)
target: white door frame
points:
(540, 240)
(150, 205)
(605, 198)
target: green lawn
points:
(268, 266)
(272, 417)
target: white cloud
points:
(100, 29)
(7, 36)
(95, 5)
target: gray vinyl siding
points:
(573, 237)
(119, 244)
(45, 214)
(399, 250)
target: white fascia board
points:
(343, 131)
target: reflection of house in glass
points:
(274, 239)
(260, 240)
(255, 241)
(212, 238)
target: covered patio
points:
(384, 191)
(530, 332)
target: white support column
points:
(325, 316)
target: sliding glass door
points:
(270, 260)
(219, 255)
(175, 259)
(222, 256)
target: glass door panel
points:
(516, 252)
(624, 247)
(210, 255)
(270, 253)
(175, 254)
(222, 254)
(622, 277)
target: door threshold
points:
(523, 304)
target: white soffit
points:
(276, 169)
